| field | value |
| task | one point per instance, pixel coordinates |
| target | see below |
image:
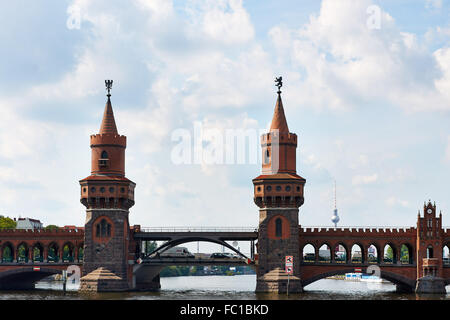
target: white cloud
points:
(393, 201)
(344, 64)
(433, 4)
(364, 179)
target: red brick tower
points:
(107, 195)
(278, 192)
(429, 238)
(429, 251)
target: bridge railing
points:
(199, 229)
(350, 228)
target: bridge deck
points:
(222, 235)
(194, 261)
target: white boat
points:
(371, 279)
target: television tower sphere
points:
(335, 218)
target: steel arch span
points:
(173, 243)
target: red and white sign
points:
(36, 268)
(248, 261)
(289, 260)
(139, 260)
(289, 269)
(358, 270)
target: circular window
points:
(102, 189)
(111, 189)
(278, 188)
(288, 188)
(93, 189)
(269, 188)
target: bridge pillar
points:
(403, 288)
(273, 248)
(146, 278)
(430, 282)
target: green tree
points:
(389, 255)
(7, 223)
(51, 227)
(150, 246)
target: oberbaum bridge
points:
(109, 252)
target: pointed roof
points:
(108, 122)
(279, 119)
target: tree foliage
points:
(7, 223)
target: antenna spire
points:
(335, 218)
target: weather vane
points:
(279, 84)
(108, 84)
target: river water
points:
(238, 287)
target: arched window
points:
(430, 252)
(278, 227)
(103, 229)
(103, 161)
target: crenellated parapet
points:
(102, 139)
(287, 138)
(384, 232)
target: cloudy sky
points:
(366, 89)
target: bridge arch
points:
(24, 278)
(23, 252)
(374, 254)
(325, 247)
(53, 252)
(68, 251)
(175, 242)
(357, 253)
(309, 256)
(340, 252)
(406, 253)
(396, 279)
(389, 254)
(7, 252)
(37, 252)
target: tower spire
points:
(335, 218)
(279, 119)
(108, 123)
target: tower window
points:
(288, 188)
(102, 189)
(111, 189)
(278, 188)
(266, 156)
(430, 252)
(278, 227)
(269, 188)
(103, 229)
(103, 161)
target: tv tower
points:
(335, 218)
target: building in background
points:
(28, 223)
